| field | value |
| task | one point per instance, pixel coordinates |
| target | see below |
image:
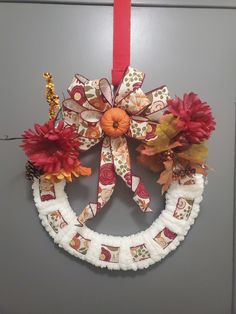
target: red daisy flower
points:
(51, 148)
(194, 117)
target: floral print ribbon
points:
(88, 102)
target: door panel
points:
(168, 3)
(187, 49)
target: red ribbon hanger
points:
(121, 39)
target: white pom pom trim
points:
(132, 252)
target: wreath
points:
(172, 135)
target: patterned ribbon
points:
(88, 101)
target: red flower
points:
(107, 174)
(169, 234)
(141, 191)
(51, 148)
(194, 117)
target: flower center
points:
(52, 146)
(115, 122)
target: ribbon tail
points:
(122, 166)
(106, 183)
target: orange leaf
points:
(166, 178)
(152, 162)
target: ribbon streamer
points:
(88, 101)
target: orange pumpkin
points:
(115, 122)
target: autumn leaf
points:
(166, 177)
(166, 130)
(146, 150)
(168, 125)
(154, 163)
(195, 153)
(201, 169)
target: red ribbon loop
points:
(121, 39)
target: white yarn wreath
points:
(132, 252)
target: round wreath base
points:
(132, 252)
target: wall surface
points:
(189, 49)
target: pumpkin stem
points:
(115, 125)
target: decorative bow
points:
(93, 108)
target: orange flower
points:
(68, 175)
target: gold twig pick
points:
(52, 97)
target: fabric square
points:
(80, 244)
(56, 221)
(46, 190)
(109, 253)
(187, 180)
(165, 237)
(139, 252)
(183, 208)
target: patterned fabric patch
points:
(77, 93)
(131, 81)
(135, 102)
(165, 237)
(106, 183)
(89, 126)
(85, 143)
(139, 252)
(109, 254)
(80, 244)
(141, 129)
(95, 96)
(187, 181)
(46, 190)
(158, 99)
(71, 112)
(183, 208)
(56, 221)
(122, 164)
